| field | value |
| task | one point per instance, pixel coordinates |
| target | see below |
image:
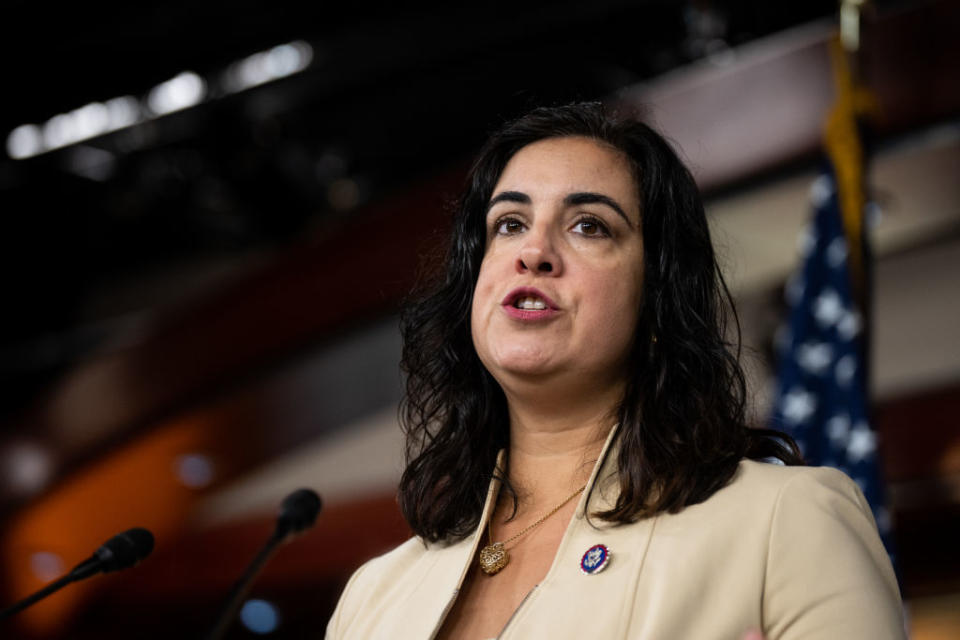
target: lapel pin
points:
(595, 559)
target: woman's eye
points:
(591, 227)
(508, 226)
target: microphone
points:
(121, 551)
(298, 512)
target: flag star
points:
(845, 369)
(806, 242)
(795, 288)
(783, 338)
(798, 405)
(827, 308)
(849, 325)
(837, 252)
(821, 190)
(815, 357)
(838, 429)
(863, 442)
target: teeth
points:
(531, 304)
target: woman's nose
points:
(537, 255)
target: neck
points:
(554, 446)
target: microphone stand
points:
(298, 512)
(54, 586)
(242, 586)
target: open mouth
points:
(529, 303)
(529, 299)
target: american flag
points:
(821, 397)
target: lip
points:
(529, 314)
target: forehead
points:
(557, 166)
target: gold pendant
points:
(493, 558)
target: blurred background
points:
(211, 213)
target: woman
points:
(578, 464)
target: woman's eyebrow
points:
(587, 197)
(509, 196)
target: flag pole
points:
(845, 148)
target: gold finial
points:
(850, 24)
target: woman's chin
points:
(526, 367)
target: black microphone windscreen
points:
(298, 512)
(124, 550)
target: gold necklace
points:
(495, 557)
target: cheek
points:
(480, 304)
(493, 271)
(619, 285)
(615, 304)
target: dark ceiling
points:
(63, 54)
(121, 224)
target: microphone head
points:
(124, 550)
(298, 512)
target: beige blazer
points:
(793, 551)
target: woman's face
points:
(559, 288)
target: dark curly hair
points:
(682, 426)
